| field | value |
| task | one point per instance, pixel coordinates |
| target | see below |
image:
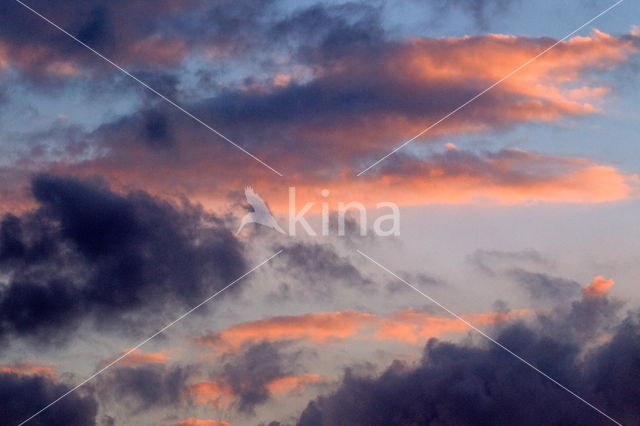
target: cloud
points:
(199, 422)
(508, 176)
(144, 387)
(413, 326)
(213, 393)
(251, 377)
(21, 395)
(319, 328)
(544, 286)
(481, 11)
(221, 395)
(353, 107)
(172, 32)
(466, 383)
(89, 253)
(595, 313)
(488, 261)
(373, 97)
(541, 286)
(323, 267)
(409, 326)
(292, 383)
(29, 368)
(138, 357)
(598, 287)
(419, 280)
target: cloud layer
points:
(361, 93)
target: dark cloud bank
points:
(464, 384)
(21, 396)
(89, 253)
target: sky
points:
(483, 271)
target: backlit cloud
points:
(200, 422)
(409, 326)
(598, 287)
(316, 328)
(139, 356)
(29, 368)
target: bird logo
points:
(260, 213)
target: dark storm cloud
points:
(89, 252)
(466, 384)
(22, 395)
(614, 368)
(144, 387)
(249, 374)
(585, 319)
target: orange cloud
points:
(292, 383)
(221, 396)
(454, 69)
(510, 176)
(63, 68)
(408, 325)
(198, 422)
(4, 59)
(313, 327)
(404, 74)
(28, 368)
(507, 177)
(599, 287)
(156, 50)
(540, 84)
(215, 394)
(138, 357)
(413, 326)
(529, 178)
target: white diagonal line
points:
(124, 71)
(491, 87)
(490, 338)
(125, 354)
